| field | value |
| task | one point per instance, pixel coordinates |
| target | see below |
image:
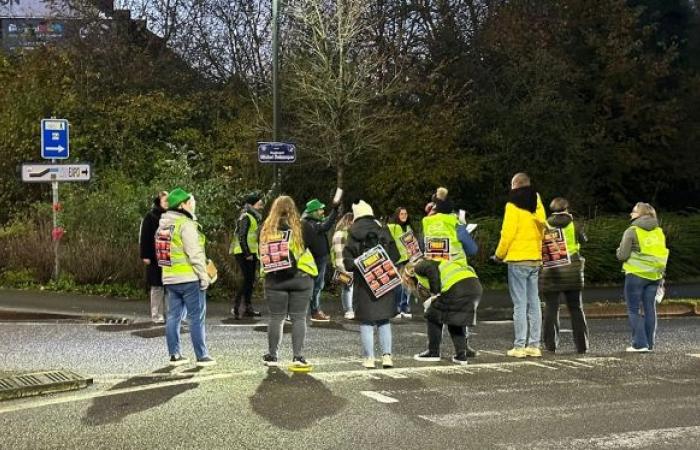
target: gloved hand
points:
(495, 259)
(427, 303)
(204, 284)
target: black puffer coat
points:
(564, 278)
(365, 305)
(147, 244)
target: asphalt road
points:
(607, 400)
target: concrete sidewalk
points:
(493, 303)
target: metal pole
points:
(277, 178)
(54, 207)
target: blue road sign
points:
(55, 140)
(276, 152)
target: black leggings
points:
(249, 269)
(457, 333)
(550, 331)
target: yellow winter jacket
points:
(522, 233)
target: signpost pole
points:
(277, 170)
(54, 234)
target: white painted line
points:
(682, 436)
(239, 325)
(381, 398)
(538, 364)
(496, 322)
(416, 333)
(694, 355)
(90, 395)
(566, 330)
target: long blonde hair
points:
(345, 222)
(283, 211)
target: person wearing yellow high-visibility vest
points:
(244, 247)
(566, 281)
(398, 226)
(287, 291)
(454, 291)
(180, 253)
(644, 255)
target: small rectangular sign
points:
(55, 139)
(276, 152)
(45, 173)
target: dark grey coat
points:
(365, 305)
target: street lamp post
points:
(275, 86)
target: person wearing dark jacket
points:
(154, 274)
(315, 228)
(564, 280)
(398, 226)
(245, 249)
(366, 232)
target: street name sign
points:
(46, 173)
(276, 152)
(55, 139)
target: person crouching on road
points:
(180, 252)
(366, 233)
(340, 237)
(644, 254)
(454, 291)
(564, 280)
(287, 291)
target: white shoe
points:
(407, 315)
(387, 362)
(631, 349)
(350, 315)
(158, 320)
(368, 363)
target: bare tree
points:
(337, 88)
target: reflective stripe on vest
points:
(572, 244)
(180, 263)
(444, 226)
(251, 238)
(396, 232)
(451, 272)
(650, 261)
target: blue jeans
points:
(367, 337)
(319, 282)
(641, 292)
(524, 293)
(402, 298)
(180, 296)
(346, 298)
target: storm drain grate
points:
(111, 320)
(26, 385)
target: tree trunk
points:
(339, 172)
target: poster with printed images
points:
(164, 238)
(378, 270)
(437, 248)
(408, 240)
(274, 255)
(343, 278)
(554, 251)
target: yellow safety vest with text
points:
(444, 226)
(650, 261)
(180, 264)
(251, 238)
(396, 232)
(451, 272)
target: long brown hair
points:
(345, 222)
(283, 211)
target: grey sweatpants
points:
(290, 296)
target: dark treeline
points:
(390, 98)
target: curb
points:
(39, 383)
(601, 311)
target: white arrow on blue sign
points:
(55, 139)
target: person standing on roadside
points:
(398, 226)
(286, 291)
(340, 237)
(366, 233)
(315, 227)
(245, 249)
(644, 255)
(520, 247)
(154, 274)
(566, 280)
(181, 255)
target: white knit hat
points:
(361, 209)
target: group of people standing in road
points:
(438, 274)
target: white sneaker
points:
(407, 315)
(368, 363)
(631, 349)
(158, 320)
(350, 315)
(387, 362)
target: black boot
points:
(471, 353)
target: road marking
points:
(468, 369)
(495, 322)
(381, 398)
(492, 352)
(238, 325)
(694, 355)
(632, 439)
(417, 333)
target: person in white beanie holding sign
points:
(366, 233)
